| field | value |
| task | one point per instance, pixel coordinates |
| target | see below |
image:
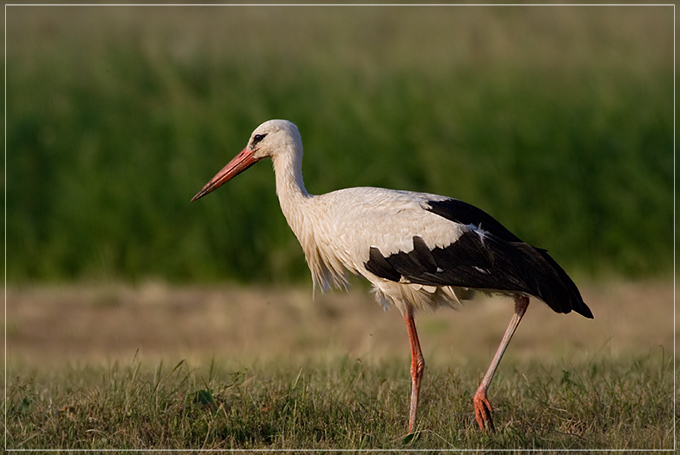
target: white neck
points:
(300, 212)
(289, 186)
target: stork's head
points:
(272, 138)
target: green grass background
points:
(556, 120)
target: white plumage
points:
(344, 224)
(419, 250)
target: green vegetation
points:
(341, 404)
(558, 121)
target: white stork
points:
(419, 250)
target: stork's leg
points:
(482, 406)
(417, 367)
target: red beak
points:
(238, 164)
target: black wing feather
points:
(464, 213)
(486, 256)
(380, 266)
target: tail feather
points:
(550, 283)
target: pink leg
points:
(482, 406)
(417, 367)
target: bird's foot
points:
(483, 411)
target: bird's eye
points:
(257, 138)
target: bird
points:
(419, 251)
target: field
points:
(161, 367)
(137, 320)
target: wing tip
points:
(584, 310)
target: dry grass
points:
(61, 324)
(92, 368)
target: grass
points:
(342, 403)
(558, 121)
(157, 366)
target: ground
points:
(62, 324)
(92, 367)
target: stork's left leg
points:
(417, 367)
(482, 405)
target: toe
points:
(483, 411)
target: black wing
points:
(486, 256)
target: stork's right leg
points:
(417, 367)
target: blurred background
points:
(556, 120)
